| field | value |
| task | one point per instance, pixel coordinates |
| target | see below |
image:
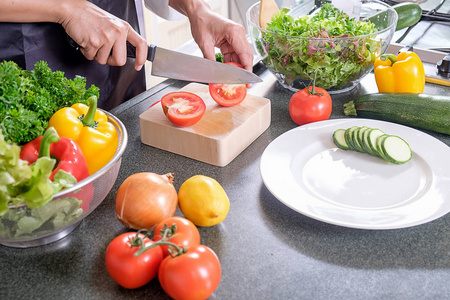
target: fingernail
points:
(138, 68)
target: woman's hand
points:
(212, 30)
(102, 36)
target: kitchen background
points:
(432, 32)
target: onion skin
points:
(146, 199)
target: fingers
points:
(141, 48)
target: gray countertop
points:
(267, 250)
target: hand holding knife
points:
(171, 64)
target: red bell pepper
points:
(65, 150)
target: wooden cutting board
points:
(221, 135)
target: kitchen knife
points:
(171, 64)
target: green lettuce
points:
(21, 183)
(337, 62)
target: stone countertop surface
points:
(266, 249)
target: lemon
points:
(203, 201)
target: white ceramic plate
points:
(305, 170)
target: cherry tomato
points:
(186, 234)
(228, 94)
(127, 270)
(192, 275)
(310, 105)
(183, 108)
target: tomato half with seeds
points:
(183, 108)
(228, 94)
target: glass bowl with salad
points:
(23, 227)
(304, 40)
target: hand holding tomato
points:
(309, 105)
(191, 275)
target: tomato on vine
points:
(194, 274)
(177, 230)
(127, 266)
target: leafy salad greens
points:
(297, 48)
(29, 98)
(21, 184)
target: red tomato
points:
(186, 234)
(127, 270)
(183, 108)
(307, 106)
(192, 275)
(228, 94)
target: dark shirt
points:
(27, 43)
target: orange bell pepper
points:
(90, 129)
(403, 73)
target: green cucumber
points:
(408, 15)
(431, 112)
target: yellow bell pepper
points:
(403, 73)
(89, 127)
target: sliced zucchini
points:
(365, 138)
(339, 139)
(360, 136)
(355, 139)
(395, 149)
(348, 135)
(373, 141)
(379, 147)
(374, 134)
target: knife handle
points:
(131, 50)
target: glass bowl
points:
(22, 227)
(340, 62)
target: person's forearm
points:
(188, 7)
(34, 10)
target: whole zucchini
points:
(431, 112)
(408, 14)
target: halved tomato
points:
(183, 108)
(228, 94)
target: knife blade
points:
(176, 65)
(171, 64)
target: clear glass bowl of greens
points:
(304, 40)
(24, 227)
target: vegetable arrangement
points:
(89, 127)
(191, 271)
(147, 202)
(37, 160)
(373, 141)
(29, 98)
(298, 48)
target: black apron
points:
(27, 43)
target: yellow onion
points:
(146, 199)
